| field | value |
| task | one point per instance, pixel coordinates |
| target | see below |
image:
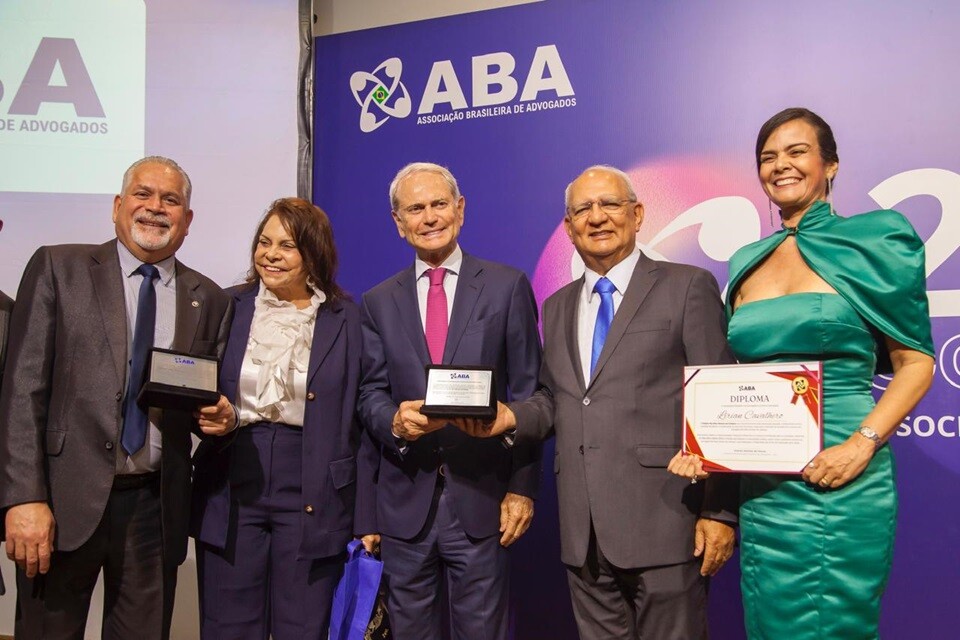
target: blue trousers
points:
(477, 575)
(258, 586)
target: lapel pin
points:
(195, 304)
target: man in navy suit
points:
(439, 502)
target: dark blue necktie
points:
(604, 317)
(135, 418)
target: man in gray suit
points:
(89, 478)
(6, 308)
(638, 542)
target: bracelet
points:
(871, 435)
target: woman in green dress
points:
(816, 548)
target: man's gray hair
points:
(421, 167)
(627, 182)
(167, 162)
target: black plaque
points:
(455, 391)
(177, 380)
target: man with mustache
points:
(89, 478)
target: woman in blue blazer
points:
(274, 496)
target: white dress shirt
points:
(589, 305)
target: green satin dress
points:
(814, 562)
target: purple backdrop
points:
(517, 101)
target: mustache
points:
(157, 219)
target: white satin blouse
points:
(273, 377)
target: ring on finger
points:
(824, 482)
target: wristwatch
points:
(870, 434)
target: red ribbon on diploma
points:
(805, 385)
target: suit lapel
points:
(642, 280)
(469, 286)
(571, 311)
(189, 308)
(239, 333)
(408, 312)
(330, 320)
(108, 285)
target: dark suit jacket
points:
(61, 404)
(494, 324)
(617, 432)
(331, 432)
(6, 308)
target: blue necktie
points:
(604, 317)
(134, 418)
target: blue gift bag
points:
(356, 594)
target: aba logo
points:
(380, 94)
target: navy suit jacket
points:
(331, 433)
(494, 324)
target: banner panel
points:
(517, 101)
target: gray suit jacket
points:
(617, 432)
(6, 308)
(60, 406)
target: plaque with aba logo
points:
(177, 380)
(754, 418)
(460, 392)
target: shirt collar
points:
(129, 264)
(451, 264)
(619, 275)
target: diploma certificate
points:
(760, 418)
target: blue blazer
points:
(330, 433)
(493, 323)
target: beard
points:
(148, 237)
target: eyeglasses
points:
(609, 206)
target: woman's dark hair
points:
(828, 146)
(311, 230)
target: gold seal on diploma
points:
(801, 385)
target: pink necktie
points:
(436, 325)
